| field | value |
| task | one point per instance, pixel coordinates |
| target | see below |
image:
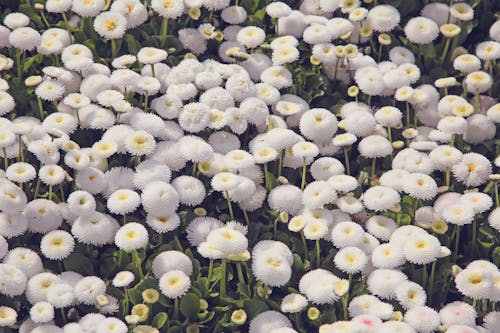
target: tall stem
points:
(5, 158)
(318, 253)
(176, 308)
(345, 300)
(223, 278)
(40, 108)
(163, 33)
(113, 48)
(457, 239)
(431, 281)
(304, 168)
(497, 201)
(266, 177)
(137, 263)
(229, 206)
(346, 161)
(445, 50)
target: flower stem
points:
(304, 168)
(176, 308)
(137, 263)
(318, 253)
(346, 161)
(5, 159)
(457, 239)
(163, 33)
(245, 214)
(275, 227)
(222, 292)
(241, 278)
(445, 50)
(210, 269)
(497, 201)
(476, 102)
(304, 243)
(374, 164)
(229, 206)
(266, 177)
(50, 192)
(113, 48)
(431, 281)
(40, 108)
(280, 162)
(345, 300)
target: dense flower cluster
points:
(257, 166)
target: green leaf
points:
(79, 263)
(254, 307)
(160, 319)
(496, 255)
(190, 306)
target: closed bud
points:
(314, 60)
(150, 295)
(200, 211)
(353, 91)
(39, 6)
(439, 227)
(282, 180)
(455, 269)
(194, 13)
(450, 30)
(239, 317)
(102, 300)
(398, 144)
(142, 311)
(313, 313)
(384, 39)
(244, 256)
(203, 304)
(397, 316)
(410, 133)
(283, 217)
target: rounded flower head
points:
(383, 18)
(473, 169)
(123, 201)
(423, 319)
(374, 146)
(110, 25)
(25, 38)
(57, 244)
(174, 284)
(131, 236)
(421, 30)
(422, 249)
(171, 9)
(420, 186)
(350, 260)
(380, 198)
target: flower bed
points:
(249, 166)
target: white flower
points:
(421, 30)
(174, 283)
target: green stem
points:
(245, 214)
(153, 69)
(37, 188)
(304, 168)
(241, 279)
(476, 102)
(66, 24)
(62, 192)
(424, 276)
(50, 192)
(40, 108)
(407, 115)
(280, 162)
(374, 164)
(345, 300)
(223, 278)
(176, 308)
(457, 239)
(497, 201)
(431, 282)
(5, 158)
(194, 169)
(275, 227)
(447, 177)
(113, 48)
(146, 102)
(346, 161)
(445, 50)
(19, 64)
(137, 263)
(63, 315)
(266, 177)
(304, 244)
(318, 253)
(44, 19)
(210, 269)
(163, 32)
(229, 206)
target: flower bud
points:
(313, 313)
(239, 317)
(142, 311)
(384, 39)
(150, 296)
(353, 91)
